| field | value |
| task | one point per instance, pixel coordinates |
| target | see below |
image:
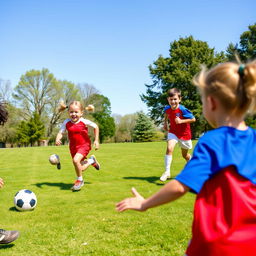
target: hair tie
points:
(241, 69)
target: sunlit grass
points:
(85, 222)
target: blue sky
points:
(110, 44)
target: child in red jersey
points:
(79, 141)
(177, 122)
(222, 170)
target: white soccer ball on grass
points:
(54, 159)
(25, 200)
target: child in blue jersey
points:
(222, 170)
(177, 120)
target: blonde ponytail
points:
(62, 106)
(90, 108)
(249, 83)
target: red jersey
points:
(225, 217)
(222, 171)
(182, 131)
(79, 140)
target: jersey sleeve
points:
(63, 126)
(89, 123)
(166, 108)
(200, 168)
(186, 113)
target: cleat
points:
(96, 164)
(165, 176)
(78, 185)
(7, 237)
(58, 166)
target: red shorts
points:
(83, 150)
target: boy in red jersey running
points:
(177, 121)
(79, 141)
(222, 170)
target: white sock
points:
(80, 178)
(167, 163)
(90, 161)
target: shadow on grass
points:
(13, 209)
(6, 246)
(151, 179)
(61, 185)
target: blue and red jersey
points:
(222, 172)
(182, 131)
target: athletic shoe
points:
(78, 185)
(96, 164)
(165, 176)
(58, 166)
(7, 237)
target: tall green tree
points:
(144, 130)
(186, 56)
(103, 117)
(246, 48)
(30, 132)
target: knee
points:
(169, 151)
(75, 161)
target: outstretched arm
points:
(170, 192)
(1, 182)
(96, 138)
(58, 139)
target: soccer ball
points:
(54, 159)
(25, 200)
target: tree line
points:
(186, 56)
(33, 103)
(33, 107)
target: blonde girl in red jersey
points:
(79, 141)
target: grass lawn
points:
(85, 222)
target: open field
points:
(85, 222)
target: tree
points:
(31, 131)
(33, 91)
(124, 127)
(62, 90)
(178, 70)
(8, 131)
(5, 90)
(103, 117)
(246, 48)
(144, 130)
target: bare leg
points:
(80, 165)
(185, 154)
(168, 159)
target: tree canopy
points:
(185, 60)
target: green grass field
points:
(86, 222)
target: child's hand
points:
(132, 203)
(96, 145)
(1, 182)
(178, 120)
(58, 142)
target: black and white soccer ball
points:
(54, 159)
(25, 200)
